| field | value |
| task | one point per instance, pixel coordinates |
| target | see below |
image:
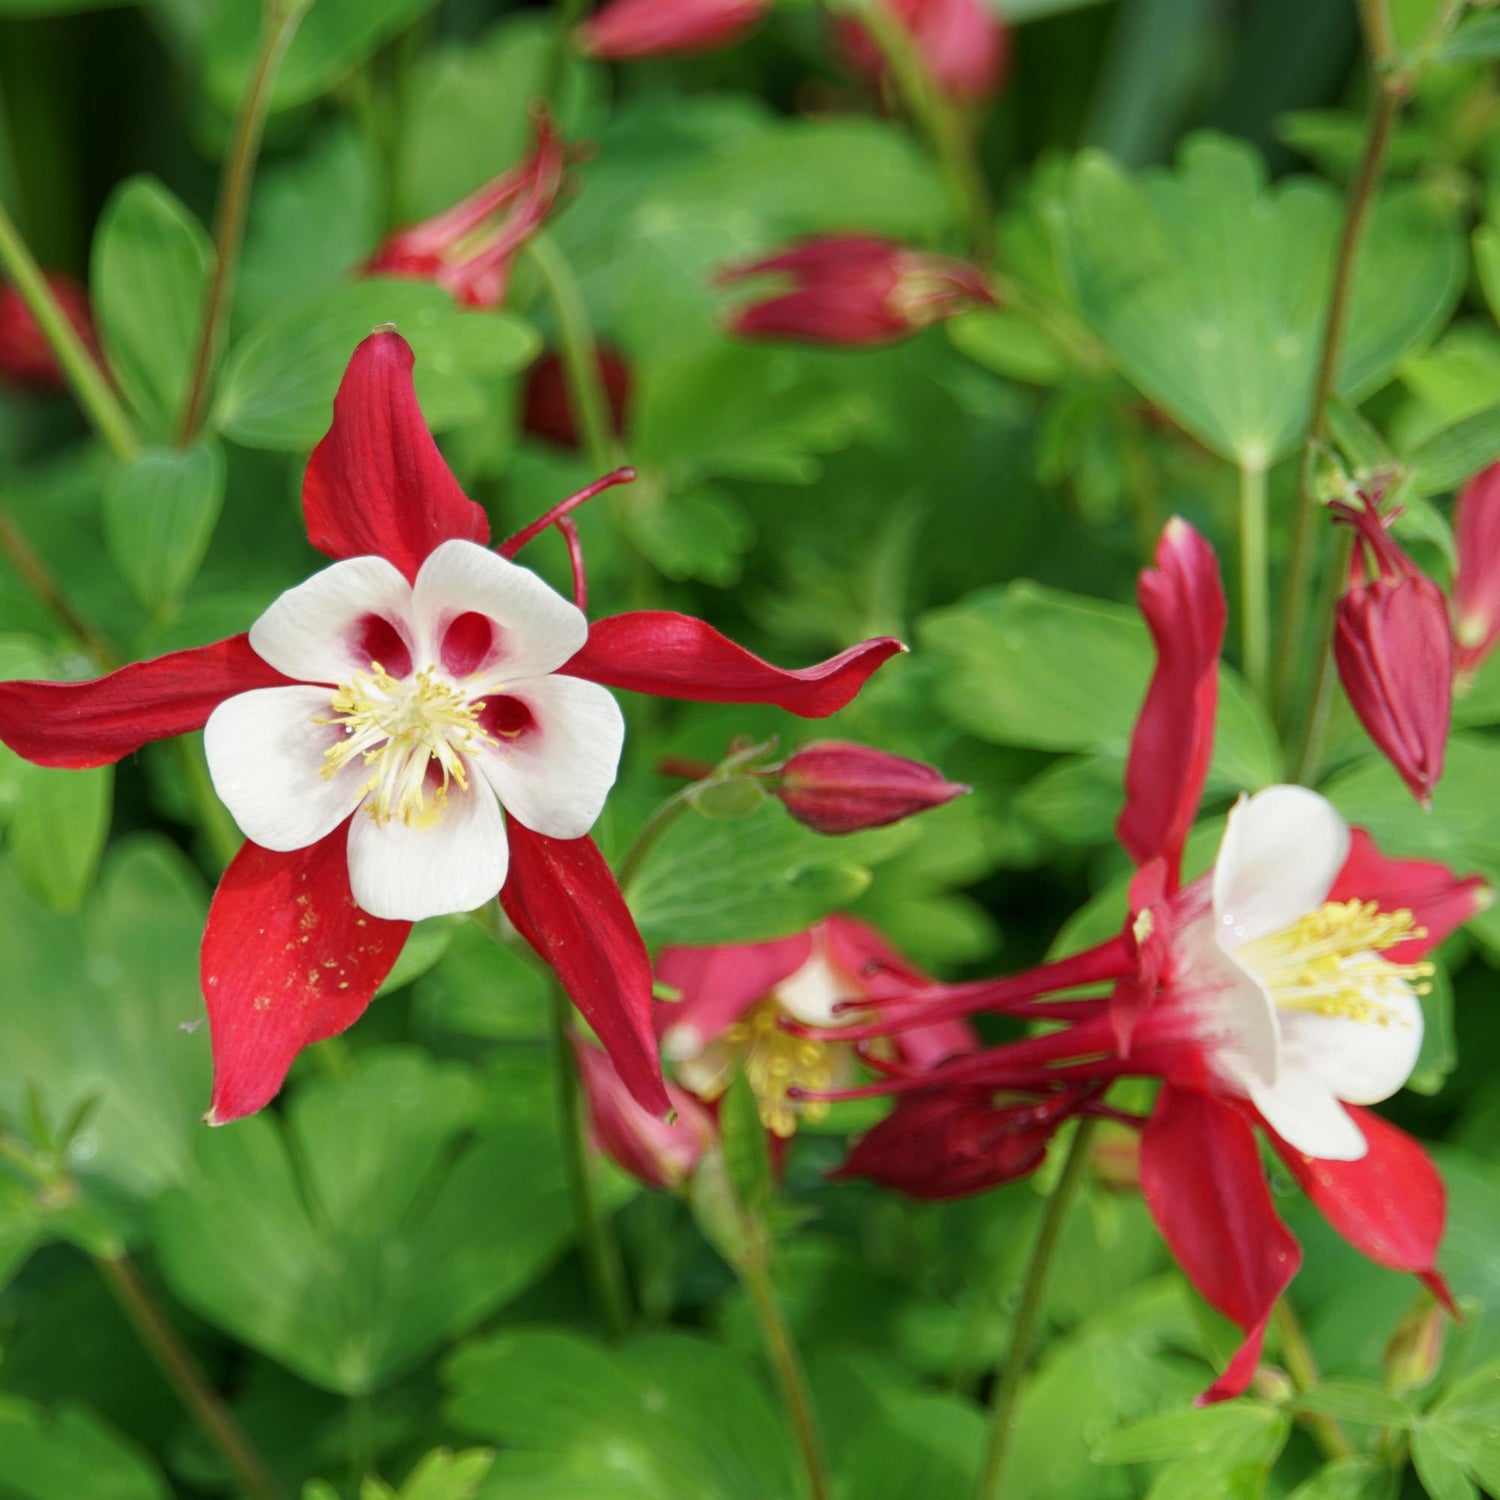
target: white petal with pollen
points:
(405, 872)
(1235, 1015)
(555, 776)
(309, 632)
(265, 755)
(1302, 1110)
(539, 629)
(1361, 1061)
(1282, 851)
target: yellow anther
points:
(776, 1062)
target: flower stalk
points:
(1255, 590)
(1297, 1356)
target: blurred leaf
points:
(1352, 1479)
(57, 832)
(923, 1447)
(151, 263)
(159, 515)
(1476, 39)
(485, 988)
(1439, 1054)
(1361, 1401)
(351, 1241)
(1010, 344)
(1443, 461)
(278, 386)
(1236, 1432)
(70, 1454)
(1441, 1471)
(1458, 1436)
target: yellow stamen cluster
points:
(775, 1061)
(398, 729)
(1330, 961)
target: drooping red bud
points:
(26, 358)
(1394, 651)
(547, 410)
(659, 1153)
(838, 787)
(469, 249)
(625, 29)
(1476, 590)
(963, 42)
(855, 290)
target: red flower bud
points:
(625, 29)
(659, 1153)
(1395, 653)
(547, 411)
(469, 249)
(963, 42)
(856, 290)
(1476, 590)
(26, 358)
(837, 787)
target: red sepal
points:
(563, 899)
(676, 656)
(1203, 1182)
(1182, 599)
(377, 484)
(719, 984)
(78, 724)
(1390, 1204)
(288, 960)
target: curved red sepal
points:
(79, 724)
(1390, 1204)
(676, 656)
(1202, 1180)
(1182, 599)
(288, 960)
(563, 899)
(376, 484)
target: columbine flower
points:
(855, 290)
(1394, 651)
(1279, 990)
(26, 358)
(626, 29)
(372, 725)
(1476, 589)
(963, 42)
(469, 249)
(838, 787)
(738, 1000)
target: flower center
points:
(401, 730)
(775, 1061)
(1329, 962)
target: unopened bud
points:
(1115, 1156)
(626, 29)
(26, 358)
(1476, 589)
(838, 787)
(1416, 1348)
(963, 43)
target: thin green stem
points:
(781, 1350)
(948, 137)
(1255, 582)
(1390, 94)
(279, 22)
(570, 15)
(95, 394)
(650, 833)
(1028, 1315)
(1297, 1356)
(222, 832)
(183, 1372)
(1309, 752)
(596, 1236)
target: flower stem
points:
(1391, 88)
(1297, 1355)
(1028, 1314)
(95, 394)
(182, 1371)
(1255, 587)
(650, 833)
(279, 22)
(601, 1253)
(949, 139)
(781, 1350)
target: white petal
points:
(1235, 1016)
(1302, 1110)
(265, 754)
(1362, 1062)
(405, 872)
(538, 630)
(810, 994)
(1282, 851)
(555, 775)
(312, 632)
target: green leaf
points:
(159, 515)
(57, 832)
(747, 1155)
(744, 880)
(1476, 39)
(277, 390)
(1011, 344)
(922, 1447)
(1360, 1401)
(1441, 1472)
(69, 1454)
(151, 264)
(445, 1475)
(1443, 461)
(351, 1241)
(1353, 1479)
(1237, 1432)
(1026, 665)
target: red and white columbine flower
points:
(415, 728)
(1279, 990)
